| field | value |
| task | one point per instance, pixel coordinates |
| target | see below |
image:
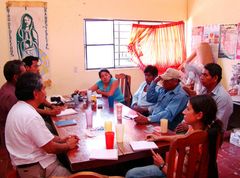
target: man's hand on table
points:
(56, 110)
(72, 141)
(140, 119)
(140, 109)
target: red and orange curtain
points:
(161, 45)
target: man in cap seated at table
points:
(32, 147)
(170, 99)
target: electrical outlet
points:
(75, 69)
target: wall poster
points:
(28, 33)
(228, 41)
(211, 36)
(197, 36)
(238, 42)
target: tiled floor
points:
(228, 162)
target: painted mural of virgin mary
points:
(27, 38)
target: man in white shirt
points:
(32, 147)
(139, 102)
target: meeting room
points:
(120, 88)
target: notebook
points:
(142, 145)
(67, 112)
(66, 123)
(104, 154)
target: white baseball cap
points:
(171, 73)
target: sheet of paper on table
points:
(104, 154)
(142, 145)
(68, 111)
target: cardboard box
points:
(235, 137)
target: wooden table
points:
(79, 158)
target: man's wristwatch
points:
(162, 166)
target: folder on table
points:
(66, 123)
(142, 145)
(104, 154)
(67, 112)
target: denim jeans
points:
(150, 171)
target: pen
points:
(120, 149)
(127, 117)
(154, 154)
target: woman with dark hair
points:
(108, 86)
(200, 114)
(27, 38)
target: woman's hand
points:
(152, 137)
(182, 128)
(99, 91)
(157, 159)
(81, 92)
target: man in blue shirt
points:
(170, 99)
(139, 101)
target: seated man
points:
(12, 70)
(32, 147)
(210, 79)
(31, 65)
(170, 99)
(139, 102)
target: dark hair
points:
(23, 23)
(12, 68)
(151, 69)
(26, 84)
(207, 105)
(29, 60)
(104, 70)
(214, 70)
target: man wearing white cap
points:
(170, 99)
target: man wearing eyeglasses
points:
(210, 79)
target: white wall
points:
(65, 22)
(201, 12)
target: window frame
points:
(114, 44)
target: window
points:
(106, 43)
